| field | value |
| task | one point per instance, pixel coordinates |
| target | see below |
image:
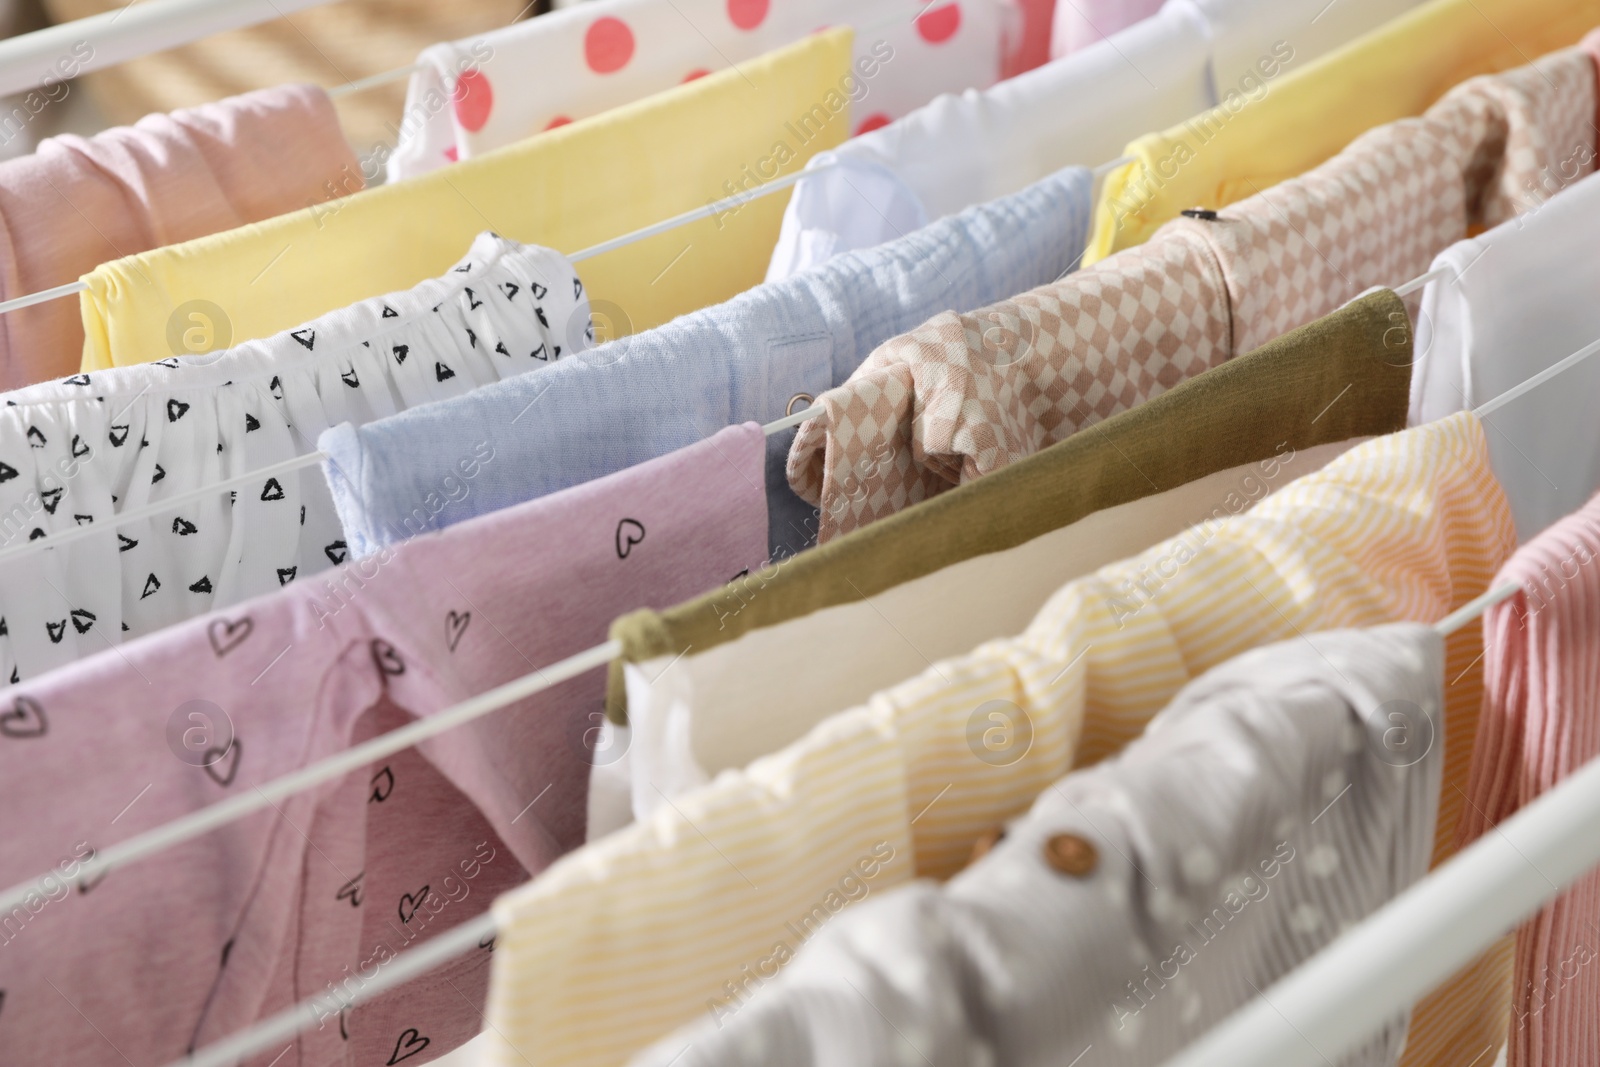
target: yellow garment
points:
(1244, 144)
(690, 910)
(568, 188)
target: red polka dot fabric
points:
(875, 121)
(480, 94)
(748, 14)
(607, 45)
(938, 24)
(472, 100)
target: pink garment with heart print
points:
(183, 948)
(78, 202)
(1540, 723)
(964, 395)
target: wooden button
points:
(1070, 854)
(984, 844)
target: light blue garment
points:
(745, 360)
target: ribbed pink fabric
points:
(1029, 47)
(1591, 44)
(78, 202)
(1540, 722)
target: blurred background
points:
(328, 46)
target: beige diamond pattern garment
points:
(964, 395)
(1376, 214)
(1532, 132)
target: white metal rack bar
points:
(1337, 999)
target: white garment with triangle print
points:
(81, 449)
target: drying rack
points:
(1323, 1008)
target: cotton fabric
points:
(87, 448)
(1262, 812)
(962, 150)
(760, 356)
(1252, 140)
(683, 913)
(77, 202)
(336, 880)
(1514, 301)
(693, 715)
(1078, 25)
(963, 395)
(1289, 395)
(485, 92)
(1541, 702)
(567, 189)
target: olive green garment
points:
(1346, 375)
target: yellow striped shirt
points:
(693, 909)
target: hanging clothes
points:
(1515, 301)
(568, 189)
(1541, 707)
(78, 202)
(1250, 142)
(640, 932)
(1142, 900)
(760, 356)
(963, 395)
(960, 150)
(963, 150)
(477, 94)
(1080, 24)
(86, 448)
(339, 879)
(1262, 408)
(692, 716)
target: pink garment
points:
(1540, 723)
(78, 202)
(1591, 45)
(1080, 23)
(181, 949)
(1029, 46)
(963, 395)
